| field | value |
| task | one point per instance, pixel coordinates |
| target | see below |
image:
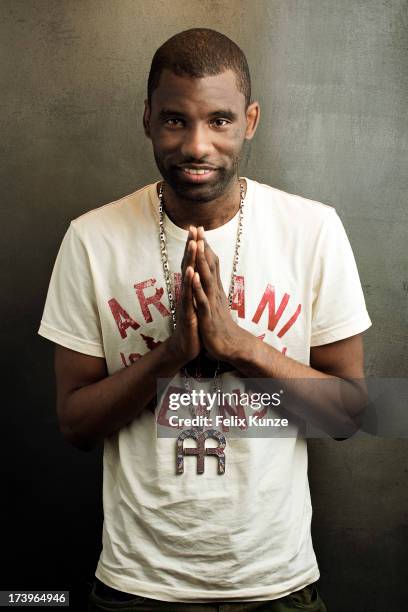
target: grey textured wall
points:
(331, 78)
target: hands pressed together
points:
(204, 319)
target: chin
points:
(199, 192)
(196, 193)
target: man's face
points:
(198, 127)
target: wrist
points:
(175, 353)
(241, 349)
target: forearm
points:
(98, 410)
(328, 402)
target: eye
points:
(172, 122)
(221, 122)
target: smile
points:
(194, 171)
(197, 175)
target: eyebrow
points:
(225, 114)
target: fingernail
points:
(201, 245)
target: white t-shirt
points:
(243, 535)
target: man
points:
(202, 274)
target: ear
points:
(146, 119)
(253, 114)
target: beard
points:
(199, 192)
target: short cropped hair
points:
(200, 52)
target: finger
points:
(208, 280)
(200, 233)
(189, 238)
(190, 259)
(202, 236)
(192, 235)
(212, 258)
(187, 292)
(213, 262)
(203, 304)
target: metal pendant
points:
(200, 450)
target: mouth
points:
(196, 175)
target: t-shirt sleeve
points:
(71, 316)
(339, 309)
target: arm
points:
(331, 390)
(334, 407)
(92, 405)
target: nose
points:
(196, 142)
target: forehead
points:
(208, 93)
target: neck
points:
(210, 215)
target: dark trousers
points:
(104, 598)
